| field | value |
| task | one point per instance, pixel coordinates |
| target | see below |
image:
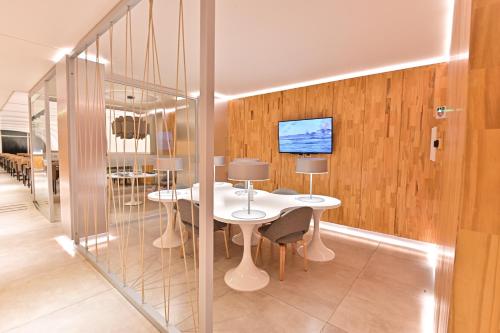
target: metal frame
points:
(206, 137)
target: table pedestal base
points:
(246, 276)
(316, 250)
(238, 238)
(171, 237)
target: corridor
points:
(44, 285)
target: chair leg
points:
(304, 248)
(282, 261)
(226, 242)
(259, 246)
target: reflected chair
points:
(240, 185)
(192, 220)
(288, 229)
(285, 191)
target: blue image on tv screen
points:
(307, 136)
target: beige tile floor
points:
(45, 289)
(369, 287)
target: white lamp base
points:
(308, 198)
(244, 214)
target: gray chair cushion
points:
(240, 185)
(285, 191)
(290, 227)
(190, 219)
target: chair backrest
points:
(184, 207)
(285, 191)
(296, 220)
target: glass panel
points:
(54, 147)
(39, 150)
(142, 127)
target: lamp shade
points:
(249, 170)
(246, 159)
(311, 165)
(169, 164)
(219, 161)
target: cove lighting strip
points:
(372, 71)
(381, 238)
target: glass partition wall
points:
(140, 143)
(44, 148)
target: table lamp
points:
(311, 166)
(218, 162)
(169, 164)
(248, 171)
(247, 183)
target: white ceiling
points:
(259, 44)
(33, 32)
(14, 114)
(262, 44)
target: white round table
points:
(172, 235)
(247, 276)
(132, 175)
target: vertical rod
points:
(248, 195)
(206, 144)
(310, 186)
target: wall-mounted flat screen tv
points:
(306, 136)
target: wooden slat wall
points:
(381, 136)
(476, 281)
(345, 162)
(380, 167)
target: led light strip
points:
(423, 247)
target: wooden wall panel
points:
(345, 162)
(253, 121)
(272, 113)
(369, 120)
(417, 182)
(319, 103)
(236, 129)
(294, 107)
(476, 282)
(381, 135)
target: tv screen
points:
(306, 136)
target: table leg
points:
(246, 276)
(171, 237)
(238, 238)
(316, 250)
(133, 201)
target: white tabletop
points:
(129, 174)
(226, 202)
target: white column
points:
(206, 148)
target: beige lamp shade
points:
(219, 161)
(311, 165)
(246, 159)
(248, 170)
(169, 164)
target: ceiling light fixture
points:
(93, 58)
(61, 53)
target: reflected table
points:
(133, 176)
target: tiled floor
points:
(369, 287)
(45, 289)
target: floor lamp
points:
(248, 171)
(311, 166)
